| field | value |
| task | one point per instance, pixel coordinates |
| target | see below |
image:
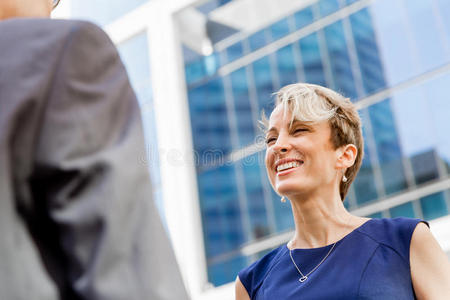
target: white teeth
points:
(288, 165)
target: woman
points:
(314, 151)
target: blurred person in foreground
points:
(77, 220)
(314, 151)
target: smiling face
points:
(300, 157)
(323, 143)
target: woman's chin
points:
(287, 189)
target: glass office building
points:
(391, 58)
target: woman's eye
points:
(300, 130)
(270, 140)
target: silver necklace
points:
(304, 277)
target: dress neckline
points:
(329, 245)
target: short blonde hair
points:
(312, 103)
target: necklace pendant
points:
(302, 279)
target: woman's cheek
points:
(268, 159)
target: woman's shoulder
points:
(395, 233)
(253, 275)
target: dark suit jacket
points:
(77, 220)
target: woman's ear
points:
(347, 156)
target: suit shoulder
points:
(253, 275)
(31, 23)
(88, 28)
(19, 26)
(47, 29)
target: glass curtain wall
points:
(391, 57)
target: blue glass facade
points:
(387, 56)
(242, 107)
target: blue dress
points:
(371, 262)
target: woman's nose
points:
(282, 145)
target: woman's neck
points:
(320, 220)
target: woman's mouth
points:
(286, 168)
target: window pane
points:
(196, 66)
(245, 124)
(433, 206)
(209, 122)
(415, 138)
(255, 196)
(364, 184)
(367, 51)
(388, 149)
(444, 10)
(222, 220)
(193, 65)
(439, 103)
(311, 59)
(394, 42)
(226, 271)
(424, 167)
(263, 83)
(196, 96)
(194, 71)
(303, 17)
(287, 69)
(327, 7)
(347, 204)
(258, 40)
(403, 210)
(377, 215)
(350, 198)
(279, 29)
(211, 64)
(235, 51)
(429, 43)
(339, 59)
(135, 55)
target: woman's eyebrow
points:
(298, 122)
(295, 122)
(272, 129)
